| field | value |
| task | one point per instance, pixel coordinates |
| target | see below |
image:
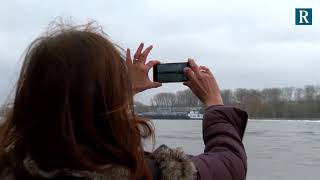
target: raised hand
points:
(138, 69)
(203, 84)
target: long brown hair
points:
(73, 105)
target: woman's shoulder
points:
(30, 170)
(167, 163)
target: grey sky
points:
(248, 43)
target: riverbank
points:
(285, 118)
(250, 118)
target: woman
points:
(73, 116)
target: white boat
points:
(194, 114)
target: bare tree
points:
(186, 98)
(267, 103)
(309, 92)
(227, 96)
(164, 99)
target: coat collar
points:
(173, 164)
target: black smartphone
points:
(170, 72)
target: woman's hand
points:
(203, 84)
(138, 69)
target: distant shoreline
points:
(250, 119)
(291, 118)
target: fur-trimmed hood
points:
(173, 164)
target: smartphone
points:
(170, 72)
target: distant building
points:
(163, 109)
(176, 109)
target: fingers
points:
(205, 69)
(194, 66)
(189, 73)
(155, 85)
(144, 55)
(150, 64)
(140, 55)
(191, 76)
(138, 52)
(128, 57)
(189, 85)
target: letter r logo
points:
(303, 16)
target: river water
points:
(277, 150)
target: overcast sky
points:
(247, 43)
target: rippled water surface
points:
(284, 150)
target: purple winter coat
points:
(224, 156)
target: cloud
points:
(248, 43)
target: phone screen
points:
(170, 72)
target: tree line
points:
(288, 102)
